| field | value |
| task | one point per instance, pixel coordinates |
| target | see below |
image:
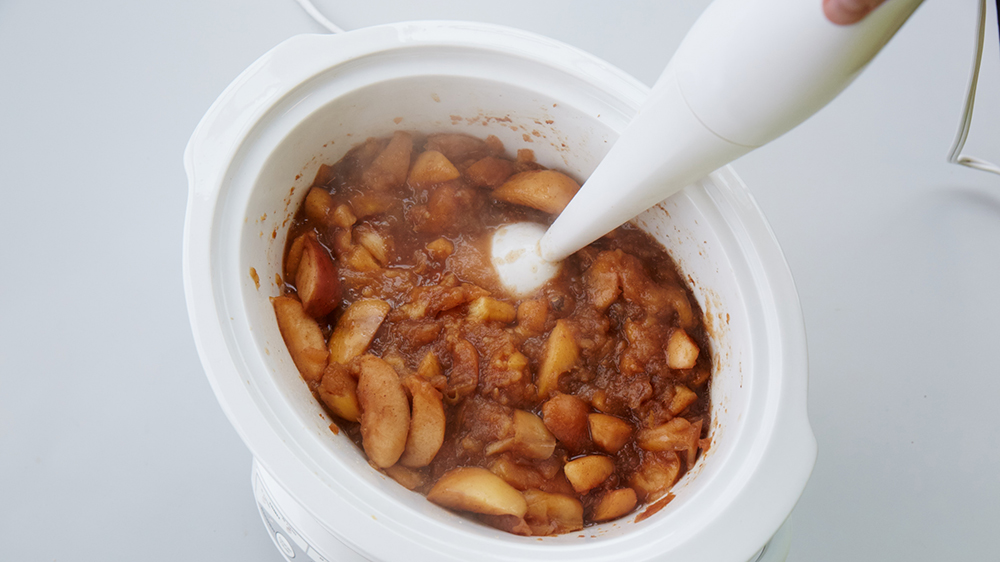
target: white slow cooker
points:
(306, 102)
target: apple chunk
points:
(588, 472)
(614, 504)
(339, 391)
(316, 280)
(545, 190)
(682, 351)
(390, 166)
(608, 432)
(677, 434)
(432, 168)
(566, 417)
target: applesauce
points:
(537, 415)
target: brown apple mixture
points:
(537, 415)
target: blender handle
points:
(751, 70)
(747, 72)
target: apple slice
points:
(561, 354)
(356, 328)
(385, 411)
(303, 338)
(479, 491)
(316, 280)
(427, 424)
(551, 514)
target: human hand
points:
(846, 12)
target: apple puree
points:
(536, 415)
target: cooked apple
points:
(318, 204)
(479, 491)
(432, 168)
(489, 172)
(545, 190)
(464, 375)
(303, 338)
(517, 475)
(440, 248)
(390, 166)
(656, 475)
(376, 244)
(343, 216)
(485, 309)
(602, 279)
(682, 351)
(566, 417)
(608, 432)
(294, 255)
(407, 477)
(531, 316)
(316, 280)
(427, 424)
(561, 354)
(614, 504)
(356, 328)
(683, 397)
(339, 391)
(385, 412)
(430, 367)
(586, 473)
(677, 434)
(532, 439)
(457, 147)
(551, 514)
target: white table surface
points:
(112, 446)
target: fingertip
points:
(848, 12)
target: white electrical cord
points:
(956, 156)
(319, 17)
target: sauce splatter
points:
(654, 508)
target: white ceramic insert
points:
(310, 99)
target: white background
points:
(112, 446)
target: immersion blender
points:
(747, 72)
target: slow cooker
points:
(306, 102)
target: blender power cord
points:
(318, 16)
(954, 157)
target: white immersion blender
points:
(747, 72)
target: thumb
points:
(846, 12)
